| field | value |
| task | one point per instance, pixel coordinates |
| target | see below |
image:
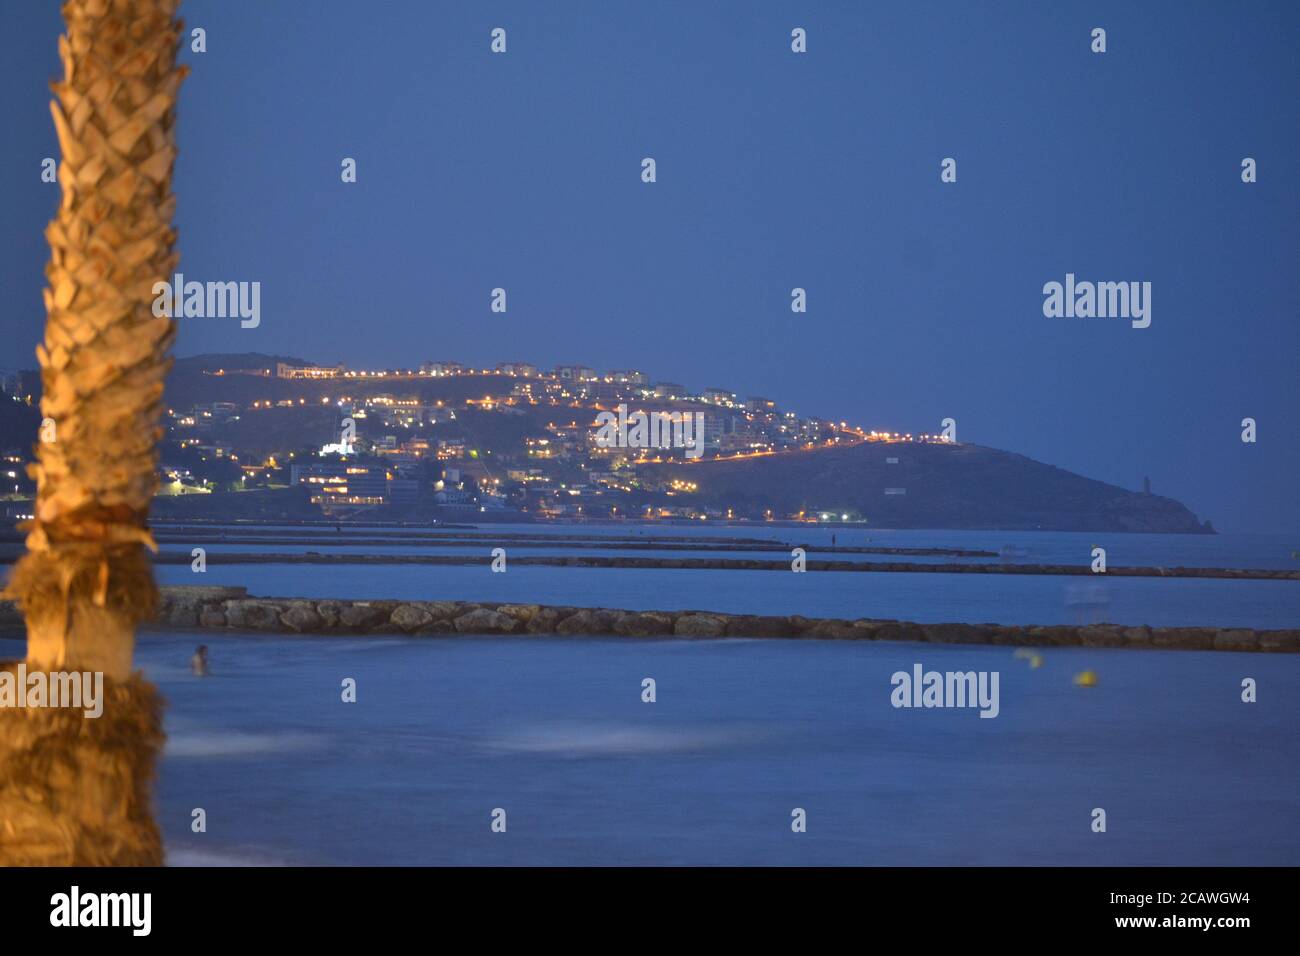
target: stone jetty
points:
(234, 609)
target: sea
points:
(528, 751)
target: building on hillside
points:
(743, 436)
(715, 427)
(521, 369)
(576, 373)
(283, 370)
(450, 448)
(437, 414)
(626, 377)
(416, 448)
(336, 483)
(538, 447)
(215, 413)
(603, 391)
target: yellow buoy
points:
(1086, 679)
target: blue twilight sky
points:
(775, 170)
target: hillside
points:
(942, 485)
(191, 381)
(947, 486)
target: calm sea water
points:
(1278, 551)
(554, 732)
(927, 597)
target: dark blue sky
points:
(775, 170)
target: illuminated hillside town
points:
(447, 441)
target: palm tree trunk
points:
(75, 790)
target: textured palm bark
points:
(75, 790)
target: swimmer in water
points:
(199, 662)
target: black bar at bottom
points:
(304, 904)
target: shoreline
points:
(233, 609)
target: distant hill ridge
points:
(930, 486)
(933, 486)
